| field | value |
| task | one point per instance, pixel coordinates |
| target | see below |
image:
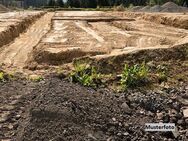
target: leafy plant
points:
(85, 74)
(133, 76)
(5, 76)
(1, 76)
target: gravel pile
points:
(170, 7)
(167, 7)
(156, 8)
(145, 9)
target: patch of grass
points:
(5, 76)
(133, 76)
(1, 76)
(85, 74)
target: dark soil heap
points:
(70, 112)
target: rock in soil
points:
(55, 109)
(185, 112)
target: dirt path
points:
(16, 53)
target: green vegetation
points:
(1, 76)
(5, 76)
(85, 74)
(133, 76)
(55, 3)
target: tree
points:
(92, 4)
(59, 3)
(102, 3)
(73, 3)
(51, 3)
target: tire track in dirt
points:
(16, 53)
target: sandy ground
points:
(60, 37)
(79, 38)
(27, 108)
(12, 24)
(16, 53)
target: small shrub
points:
(5, 76)
(133, 76)
(1, 76)
(85, 74)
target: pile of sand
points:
(3, 8)
(167, 7)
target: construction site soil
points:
(38, 43)
(14, 23)
(169, 7)
(3, 9)
(55, 109)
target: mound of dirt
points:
(136, 8)
(65, 111)
(167, 7)
(145, 9)
(115, 63)
(170, 5)
(10, 32)
(156, 8)
(3, 8)
(43, 53)
(176, 20)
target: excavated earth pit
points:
(179, 20)
(15, 54)
(55, 109)
(14, 23)
(74, 37)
